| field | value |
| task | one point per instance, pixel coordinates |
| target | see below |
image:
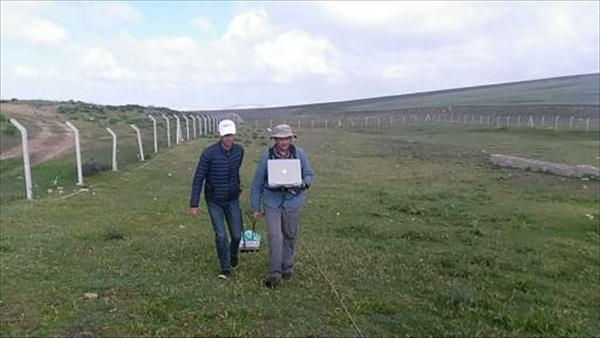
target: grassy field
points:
(418, 233)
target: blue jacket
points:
(221, 170)
(288, 200)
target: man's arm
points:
(258, 183)
(307, 172)
(199, 177)
(241, 162)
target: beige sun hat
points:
(282, 131)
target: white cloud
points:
(202, 23)
(25, 22)
(25, 72)
(113, 13)
(426, 16)
(43, 32)
(295, 53)
(248, 27)
(99, 63)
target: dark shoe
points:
(272, 282)
(234, 262)
(286, 275)
(224, 275)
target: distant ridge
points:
(573, 91)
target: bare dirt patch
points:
(53, 139)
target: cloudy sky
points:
(210, 55)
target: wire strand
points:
(337, 295)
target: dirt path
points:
(53, 140)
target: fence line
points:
(573, 123)
(210, 125)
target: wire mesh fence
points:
(97, 146)
(547, 122)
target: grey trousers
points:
(282, 232)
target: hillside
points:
(578, 94)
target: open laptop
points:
(284, 173)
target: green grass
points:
(419, 234)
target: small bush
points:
(112, 234)
(93, 166)
(10, 130)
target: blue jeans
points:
(231, 213)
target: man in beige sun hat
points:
(281, 206)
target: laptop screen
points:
(284, 173)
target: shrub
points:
(10, 130)
(93, 166)
(112, 234)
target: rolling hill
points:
(577, 94)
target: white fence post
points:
(187, 126)
(366, 121)
(326, 124)
(543, 121)
(155, 137)
(519, 122)
(114, 149)
(571, 123)
(556, 122)
(168, 131)
(199, 125)
(139, 137)
(507, 121)
(178, 130)
(26, 164)
(77, 153)
(587, 124)
(194, 126)
(530, 123)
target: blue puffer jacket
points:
(221, 170)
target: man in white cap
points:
(219, 170)
(281, 206)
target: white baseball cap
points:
(226, 127)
